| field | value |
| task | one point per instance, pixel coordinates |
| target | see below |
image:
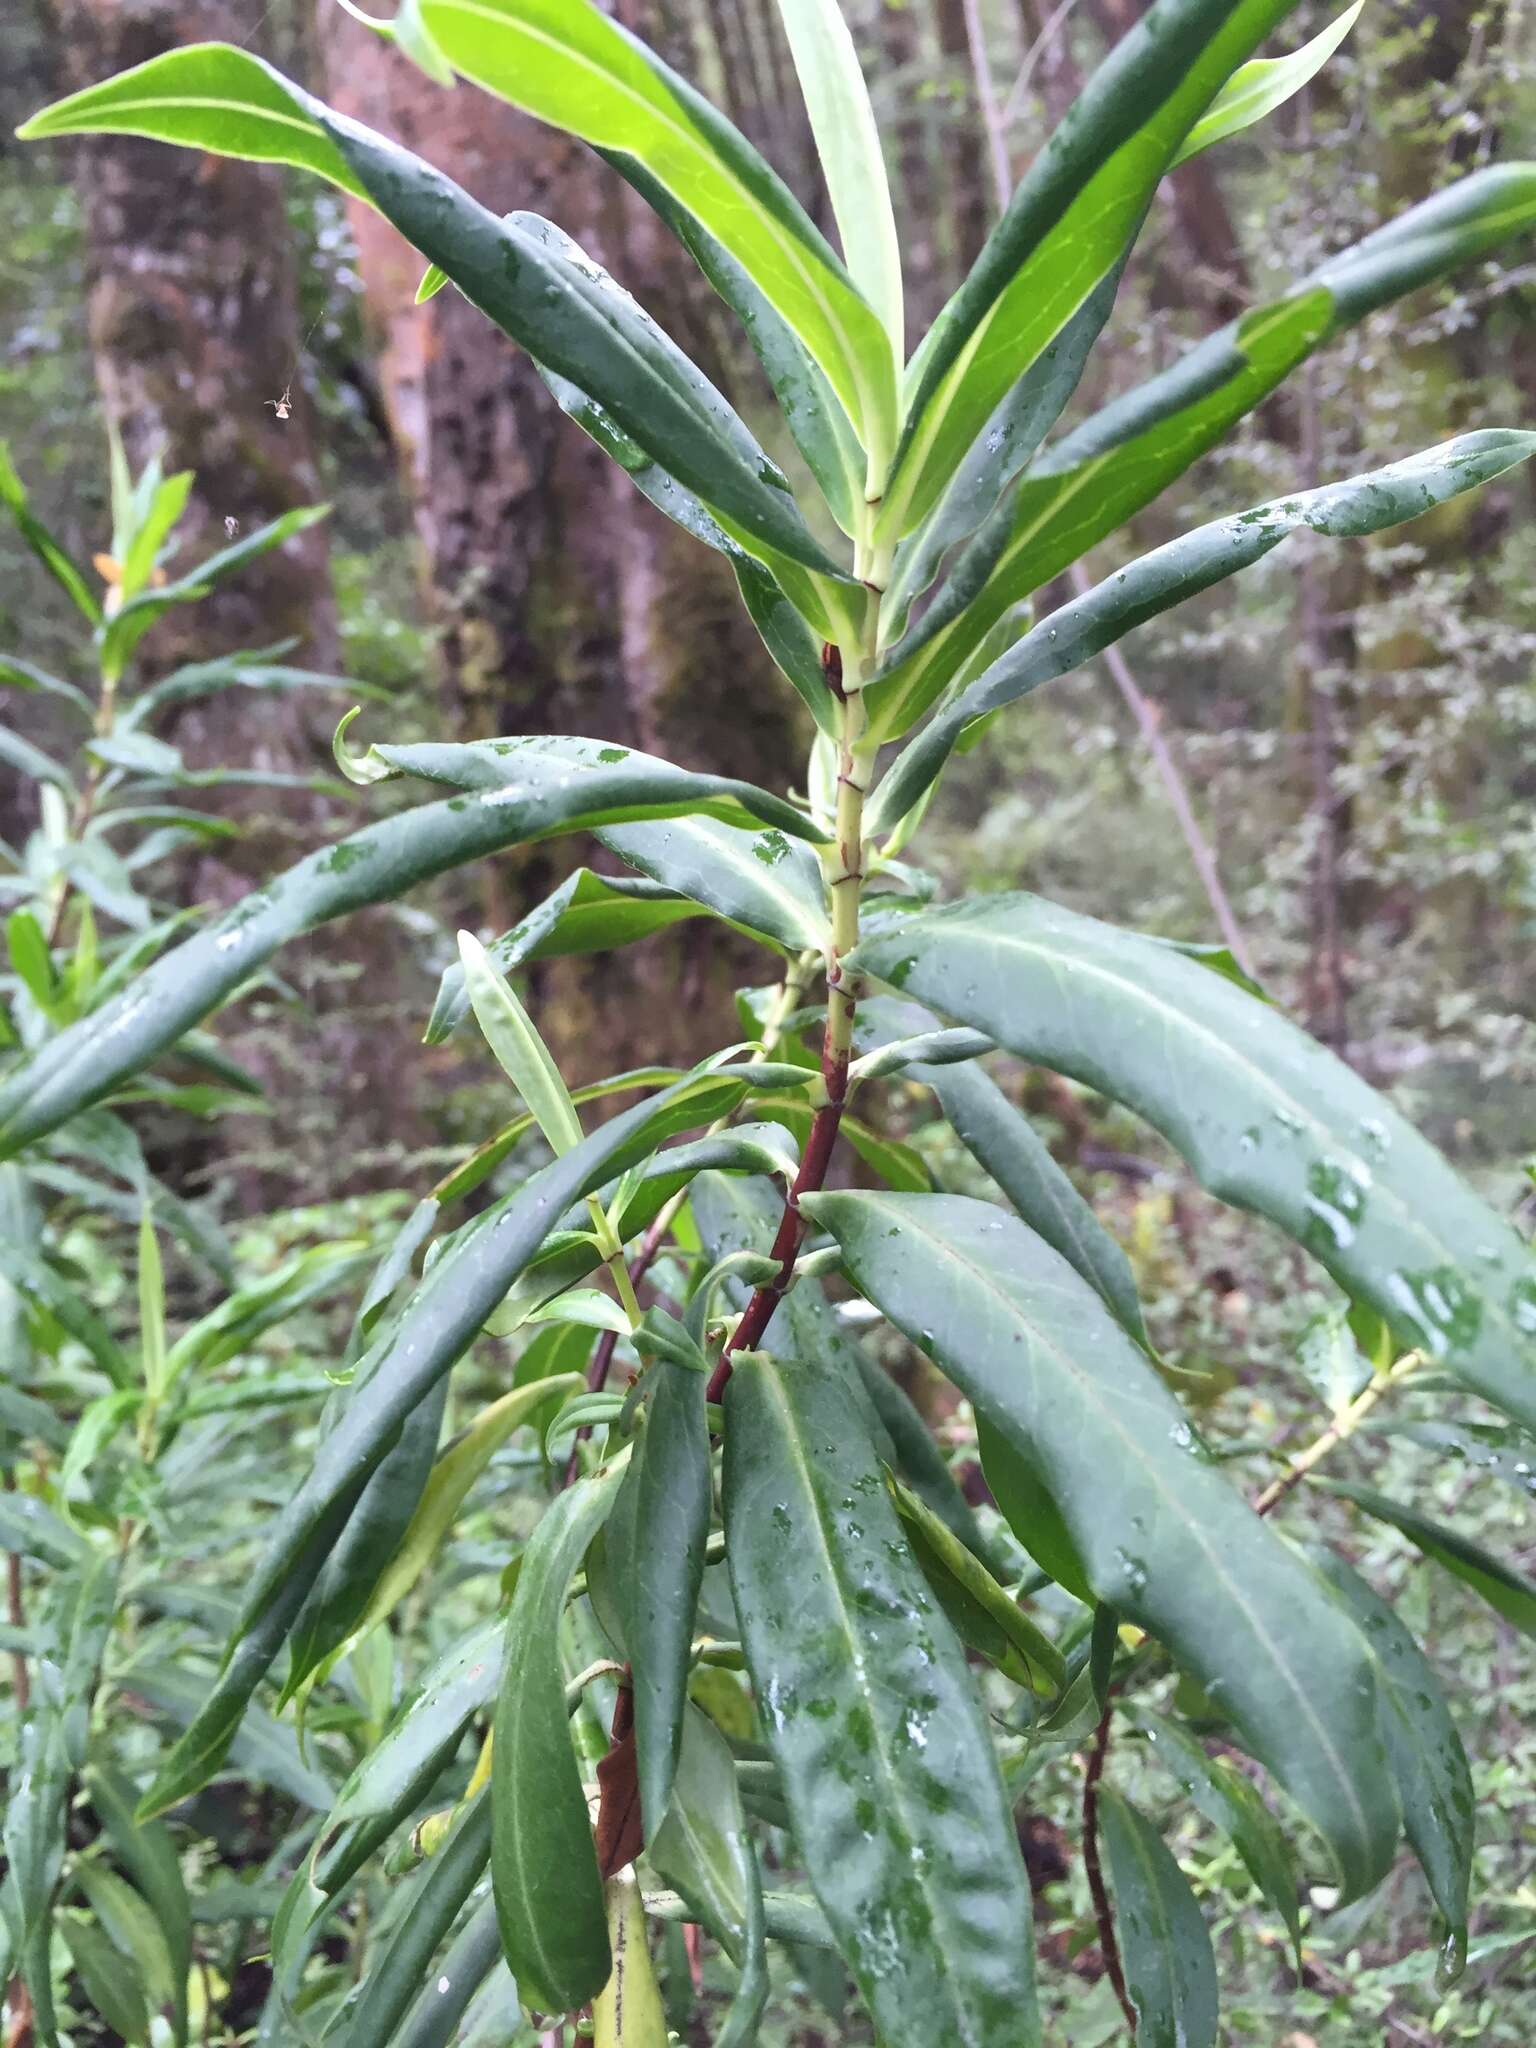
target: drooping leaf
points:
(1434, 1781)
(1162, 1537)
(1507, 1591)
(377, 864)
(149, 1856)
(1170, 1970)
(112, 1983)
(549, 1895)
(55, 558)
(701, 1847)
(520, 1052)
(884, 1753)
(668, 1523)
(1267, 1119)
(1180, 569)
(1252, 93)
(1231, 1803)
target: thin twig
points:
(1042, 44)
(986, 100)
(1342, 1427)
(1103, 1912)
(1148, 716)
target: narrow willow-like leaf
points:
(885, 1756)
(1066, 227)
(1170, 1970)
(111, 1981)
(1182, 568)
(669, 1517)
(375, 865)
(1231, 1803)
(588, 913)
(1434, 1780)
(54, 557)
(549, 1896)
(438, 1895)
(1267, 1118)
(1163, 1538)
(852, 161)
(1003, 1141)
(701, 1847)
(37, 1282)
(565, 62)
(520, 1052)
(1507, 1591)
(1254, 92)
(130, 1925)
(473, 1961)
(149, 1856)
(210, 96)
(1062, 507)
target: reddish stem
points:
(602, 1357)
(1103, 1914)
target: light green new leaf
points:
(571, 66)
(1258, 88)
(1434, 1780)
(884, 1752)
(1507, 1591)
(1163, 1538)
(852, 161)
(1170, 1969)
(549, 1895)
(1066, 227)
(152, 1338)
(67, 573)
(520, 1052)
(1077, 631)
(1267, 1118)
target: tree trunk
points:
(565, 602)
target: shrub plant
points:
(751, 1495)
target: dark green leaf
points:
(886, 1760)
(701, 1847)
(148, 1854)
(1428, 1761)
(111, 1981)
(985, 1615)
(1170, 1971)
(1162, 1537)
(1507, 1592)
(67, 573)
(1267, 1119)
(549, 1895)
(1077, 631)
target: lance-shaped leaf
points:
(1077, 631)
(1254, 92)
(1066, 227)
(548, 796)
(702, 1848)
(213, 97)
(1006, 1144)
(50, 551)
(852, 161)
(1057, 512)
(1434, 1780)
(588, 913)
(1170, 1970)
(667, 1525)
(1267, 1118)
(567, 63)
(886, 1761)
(549, 1895)
(1163, 1538)
(1507, 1591)
(437, 1895)
(1231, 1803)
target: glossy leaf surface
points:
(1170, 1971)
(1164, 1540)
(549, 1896)
(1267, 1118)
(885, 1756)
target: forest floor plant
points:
(901, 1691)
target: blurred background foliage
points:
(1351, 733)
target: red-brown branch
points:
(1103, 1913)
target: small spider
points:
(231, 525)
(283, 406)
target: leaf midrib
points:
(1089, 1392)
(1191, 1024)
